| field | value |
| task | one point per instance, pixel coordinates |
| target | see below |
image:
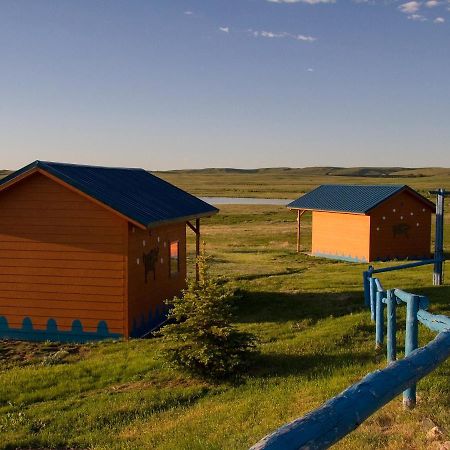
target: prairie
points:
(314, 334)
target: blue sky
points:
(166, 84)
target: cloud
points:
(310, 69)
(225, 29)
(281, 35)
(188, 13)
(417, 18)
(439, 20)
(409, 7)
(431, 3)
(309, 2)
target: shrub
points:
(202, 339)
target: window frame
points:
(172, 273)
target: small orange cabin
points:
(88, 253)
(367, 223)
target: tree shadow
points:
(263, 306)
(317, 365)
(439, 297)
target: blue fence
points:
(342, 414)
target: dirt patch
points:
(21, 353)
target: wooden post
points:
(379, 323)
(298, 230)
(367, 275)
(391, 302)
(197, 248)
(373, 294)
(196, 230)
(411, 343)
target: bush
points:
(202, 339)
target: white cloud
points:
(409, 7)
(310, 69)
(282, 34)
(417, 18)
(431, 3)
(439, 20)
(188, 13)
(225, 29)
(309, 2)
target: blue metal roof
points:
(135, 193)
(359, 199)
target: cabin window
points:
(174, 257)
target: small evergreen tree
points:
(202, 339)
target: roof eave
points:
(361, 213)
(182, 219)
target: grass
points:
(315, 340)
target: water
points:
(245, 201)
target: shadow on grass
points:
(263, 306)
(250, 277)
(309, 365)
(439, 297)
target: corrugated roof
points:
(350, 198)
(135, 193)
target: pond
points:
(245, 201)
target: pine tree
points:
(202, 339)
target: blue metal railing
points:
(342, 414)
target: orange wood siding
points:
(341, 235)
(401, 228)
(146, 299)
(61, 257)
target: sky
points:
(171, 84)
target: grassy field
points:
(315, 339)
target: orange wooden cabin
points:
(88, 253)
(367, 223)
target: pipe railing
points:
(342, 414)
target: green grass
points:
(315, 340)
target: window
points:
(174, 257)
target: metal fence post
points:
(379, 324)
(391, 314)
(411, 343)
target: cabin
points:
(88, 253)
(367, 223)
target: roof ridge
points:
(352, 198)
(41, 162)
(135, 193)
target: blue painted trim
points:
(434, 322)
(347, 258)
(404, 266)
(149, 323)
(51, 333)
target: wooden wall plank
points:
(65, 297)
(61, 272)
(61, 304)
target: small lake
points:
(245, 201)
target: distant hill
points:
(3, 173)
(373, 172)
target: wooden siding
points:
(62, 257)
(146, 298)
(401, 228)
(340, 235)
